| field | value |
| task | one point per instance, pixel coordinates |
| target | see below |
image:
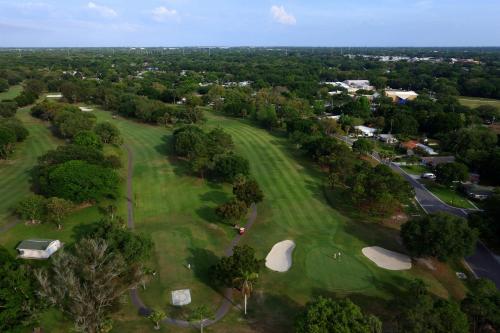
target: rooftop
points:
(35, 244)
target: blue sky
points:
(249, 22)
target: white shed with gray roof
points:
(38, 248)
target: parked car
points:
(428, 175)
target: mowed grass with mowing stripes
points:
(177, 210)
(15, 171)
(295, 208)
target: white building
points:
(427, 149)
(387, 138)
(38, 248)
(365, 131)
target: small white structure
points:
(279, 259)
(38, 248)
(181, 297)
(428, 150)
(85, 109)
(365, 131)
(56, 95)
(387, 138)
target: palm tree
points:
(246, 281)
(156, 316)
(200, 314)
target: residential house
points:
(428, 150)
(387, 138)
(434, 161)
(401, 96)
(365, 131)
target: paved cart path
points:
(227, 301)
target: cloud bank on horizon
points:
(27, 23)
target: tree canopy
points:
(439, 235)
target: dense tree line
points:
(12, 131)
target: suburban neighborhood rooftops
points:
(35, 244)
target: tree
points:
(439, 235)
(58, 209)
(245, 281)
(226, 167)
(7, 140)
(228, 269)
(108, 133)
(448, 173)
(134, 247)
(156, 316)
(233, 210)
(482, 305)
(18, 303)
(248, 191)
(199, 315)
(88, 139)
(363, 146)
(219, 142)
(421, 312)
(80, 181)
(86, 294)
(4, 85)
(190, 142)
(328, 315)
(17, 127)
(34, 86)
(70, 123)
(8, 109)
(32, 208)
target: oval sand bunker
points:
(279, 259)
(393, 261)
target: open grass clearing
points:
(474, 102)
(12, 93)
(416, 169)
(449, 195)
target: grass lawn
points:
(15, 172)
(474, 102)
(295, 208)
(12, 93)
(177, 211)
(448, 195)
(416, 169)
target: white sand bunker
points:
(393, 261)
(279, 259)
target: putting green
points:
(344, 272)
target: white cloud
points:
(281, 16)
(162, 13)
(102, 10)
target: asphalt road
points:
(482, 262)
